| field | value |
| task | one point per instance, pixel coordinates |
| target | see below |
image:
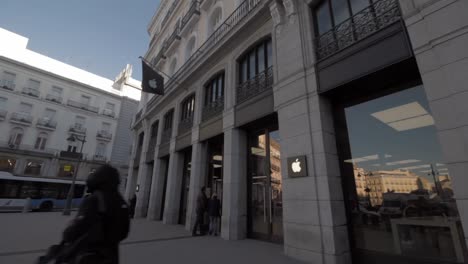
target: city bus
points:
(45, 194)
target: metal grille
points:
(260, 83)
(375, 17)
(213, 108)
(83, 106)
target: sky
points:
(99, 36)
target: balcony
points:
(108, 112)
(160, 57)
(8, 85)
(185, 125)
(205, 4)
(82, 106)
(213, 109)
(21, 118)
(46, 123)
(54, 98)
(173, 41)
(3, 114)
(104, 135)
(190, 19)
(77, 129)
(99, 158)
(370, 20)
(71, 155)
(31, 92)
(255, 86)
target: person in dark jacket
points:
(101, 223)
(214, 211)
(133, 202)
(200, 210)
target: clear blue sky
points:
(100, 36)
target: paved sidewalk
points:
(25, 236)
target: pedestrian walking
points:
(93, 236)
(200, 211)
(214, 211)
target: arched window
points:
(41, 141)
(215, 20)
(190, 48)
(16, 137)
(172, 67)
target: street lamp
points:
(67, 209)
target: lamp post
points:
(68, 205)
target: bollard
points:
(27, 205)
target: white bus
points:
(45, 194)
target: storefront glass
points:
(401, 197)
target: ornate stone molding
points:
(291, 13)
(277, 14)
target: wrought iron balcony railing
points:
(21, 117)
(54, 98)
(99, 157)
(260, 83)
(194, 10)
(3, 114)
(9, 85)
(174, 37)
(71, 155)
(46, 123)
(213, 108)
(108, 112)
(372, 19)
(82, 106)
(185, 125)
(77, 128)
(104, 134)
(30, 91)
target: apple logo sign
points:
(153, 84)
(296, 166)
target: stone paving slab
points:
(24, 237)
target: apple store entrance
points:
(265, 186)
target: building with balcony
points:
(44, 101)
(303, 113)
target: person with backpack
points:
(101, 223)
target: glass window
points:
(220, 86)
(41, 141)
(80, 121)
(33, 84)
(252, 64)
(187, 108)
(269, 53)
(9, 77)
(16, 136)
(25, 108)
(9, 188)
(261, 58)
(322, 14)
(340, 11)
(106, 127)
(394, 138)
(50, 113)
(359, 5)
(110, 106)
(7, 164)
(29, 189)
(243, 71)
(33, 167)
(101, 150)
(3, 102)
(57, 91)
(85, 99)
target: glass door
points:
(265, 194)
(185, 185)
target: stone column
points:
(129, 189)
(197, 180)
(439, 36)
(234, 211)
(174, 187)
(314, 219)
(142, 181)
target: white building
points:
(44, 101)
(380, 83)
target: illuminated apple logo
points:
(153, 84)
(296, 166)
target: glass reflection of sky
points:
(376, 145)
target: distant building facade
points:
(329, 88)
(43, 102)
